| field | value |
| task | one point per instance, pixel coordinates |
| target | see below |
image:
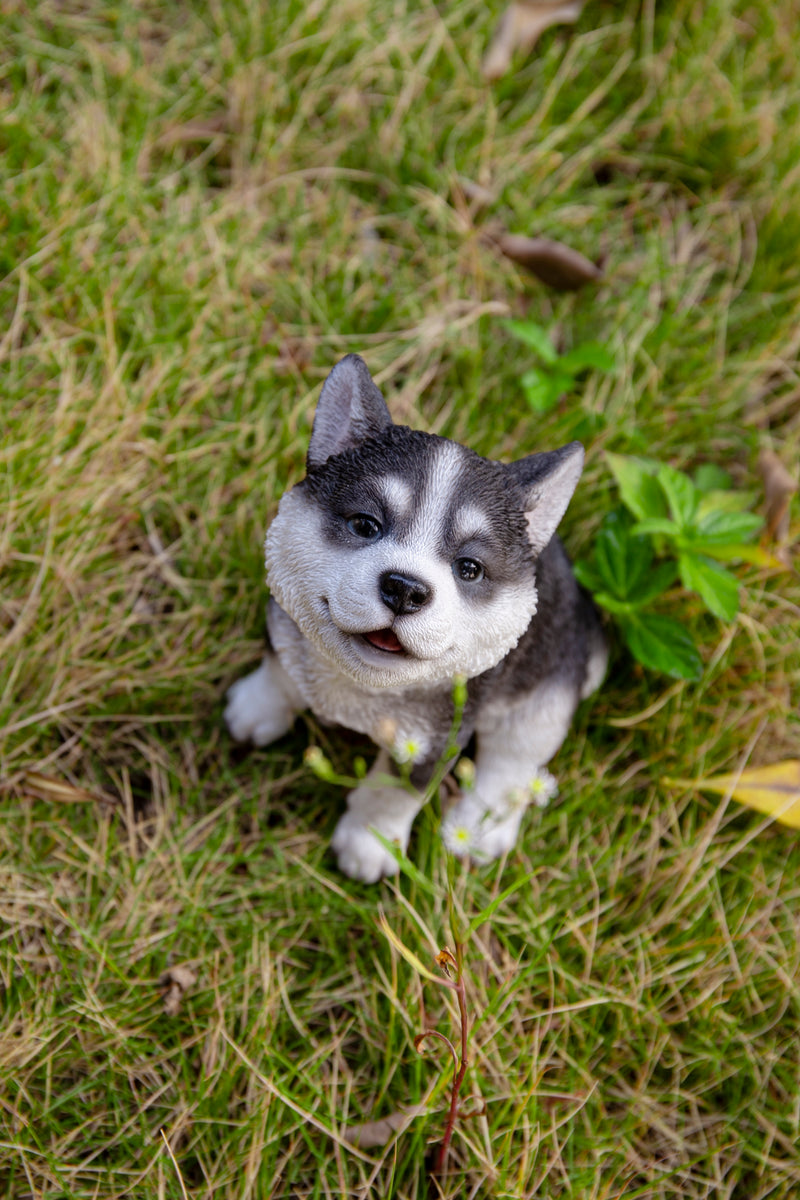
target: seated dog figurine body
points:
(402, 561)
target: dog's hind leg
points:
(263, 705)
(380, 805)
(514, 743)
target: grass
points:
(202, 207)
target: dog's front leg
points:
(380, 805)
(514, 743)
(263, 705)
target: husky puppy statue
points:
(402, 561)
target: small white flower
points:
(409, 747)
(406, 751)
(458, 839)
(542, 788)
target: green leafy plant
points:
(557, 374)
(671, 528)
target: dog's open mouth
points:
(385, 639)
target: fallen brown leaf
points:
(779, 487)
(174, 983)
(557, 265)
(378, 1133)
(520, 28)
(58, 790)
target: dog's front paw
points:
(494, 838)
(359, 853)
(485, 825)
(473, 829)
(257, 710)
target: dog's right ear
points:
(350, 410)
(547, 481)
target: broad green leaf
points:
(682, 496)
(534, 336)
(620, 608)
(726, 527)
(638, 485)
(535, 376)
(540, 400)
(561, 380)
(711, 478)
(658, 525)
(589, 356)
(654, 584)
(724, 502)
(588, 576)
(662, 644)
(718, 589)
(774, 790)
(540, 394)
(621, 560)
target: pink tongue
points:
(384, 639)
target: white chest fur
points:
(397, 719)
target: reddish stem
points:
(458, 1076)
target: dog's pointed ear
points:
(547, 481)
(350, 410)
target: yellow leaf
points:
(774, 790)
(407, 954)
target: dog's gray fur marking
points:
(401, 561)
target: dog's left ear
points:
(547, 481)
(350, 410)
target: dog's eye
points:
(364, 526)
(468, 569)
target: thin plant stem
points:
(458, 1075)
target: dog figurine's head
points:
(405, 558)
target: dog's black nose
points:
(403, 595)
